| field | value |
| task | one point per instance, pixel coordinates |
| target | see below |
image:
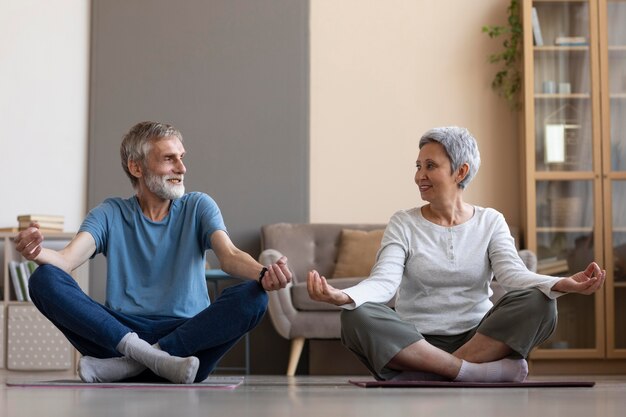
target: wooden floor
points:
(278, 396)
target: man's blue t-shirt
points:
(155, 268)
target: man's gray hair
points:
(138, 142)
(460, 146)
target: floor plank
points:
(303, 396)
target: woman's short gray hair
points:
(460, 146)
(137, 143)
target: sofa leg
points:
(296, 350)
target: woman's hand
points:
(584, 282)
(320, 290)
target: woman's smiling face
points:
(434, 176)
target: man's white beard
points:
(160, 186)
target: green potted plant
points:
(508, 80)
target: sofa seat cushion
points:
(302, 301)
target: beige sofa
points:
(314, 246)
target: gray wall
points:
(232, 75)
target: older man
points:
(157, 320)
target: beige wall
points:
(383, 72)
(44, 70)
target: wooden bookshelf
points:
(28, 341)
(591, 173)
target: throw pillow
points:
(357, 252)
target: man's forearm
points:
(52, 257)
(242, 265)
(76, 253)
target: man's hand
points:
(277, 275)
(320, 290)
(28, 242)
(584, 282)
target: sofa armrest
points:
(530, 259)
(280, 304)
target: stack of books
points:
(48, 223)
(552, 266)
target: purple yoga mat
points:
(446, 384)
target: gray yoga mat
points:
(209, 383)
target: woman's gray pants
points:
(374, 332)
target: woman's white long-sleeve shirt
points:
(442, 274)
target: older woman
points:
(440, 259)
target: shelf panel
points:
(564, 229)
(545, 353)
(561, 48)
(574, 96)
(47, 235)
(560, 1)
(564, 175)
(18, 303)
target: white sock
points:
(173, 368)
(108, 370)
(504, 370)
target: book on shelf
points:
(20, 273)
(30, 266)
(24, 275)
(538, 37)
(40, 218)
(16, 278)
(570, 41)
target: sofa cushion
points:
(302, 301)
(357, 252)
(308, 246)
